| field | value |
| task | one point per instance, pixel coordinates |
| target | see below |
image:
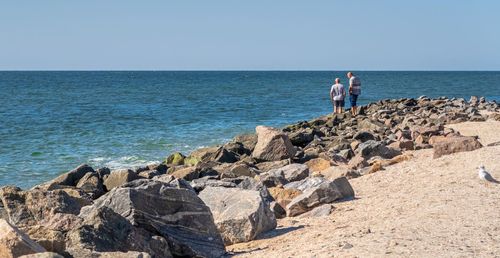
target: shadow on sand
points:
(273, 233)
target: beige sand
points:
(419, 208)
(488, 132)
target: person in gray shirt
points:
(354, 92)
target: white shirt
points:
(337, 91)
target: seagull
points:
(484, 175)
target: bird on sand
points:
(484, 175)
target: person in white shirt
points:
(337, 95)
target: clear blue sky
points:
(250, 35)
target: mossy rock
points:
(175, 159)
(191, 161)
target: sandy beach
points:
(419, 208)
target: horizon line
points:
(234, 70)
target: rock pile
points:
(194, 205)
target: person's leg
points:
(354, 105)
(350, 100)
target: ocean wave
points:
(121, 162)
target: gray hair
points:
(337, 80)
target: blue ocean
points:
(51, 122)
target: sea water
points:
(51, 122)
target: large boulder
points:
(119, 177)
(455, 144)
(158, 212)
(325, 192)
(240, 215)
(28, 208)
(14, 243)
(105, 231)
(272, 145)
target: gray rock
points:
(148, 174)
(104, 231)
(92, 184)
(272, 145)
(293, 172)
(28, 208)
(344, 187)
(119, 177)
(177, 215)
(240, 215)
(248, 140)
(266, 166)
(364, 136)
(200, 184)
(302, 137)
(346, 154)
(326, 192)
(70, 178)
(224, 156)
(272, 178)
(249, 183)
(371, 148)
(238, 170)
(279, 212)
(14, 243)
(188, 173)
(305, 184)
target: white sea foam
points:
(121, 162)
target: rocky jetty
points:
(193, 205)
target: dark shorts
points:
(353, 99)
(338, 103)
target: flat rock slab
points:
(454, 145)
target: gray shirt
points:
(355, 84)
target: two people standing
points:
(337, 94)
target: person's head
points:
(337, 80)
(350, 74)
